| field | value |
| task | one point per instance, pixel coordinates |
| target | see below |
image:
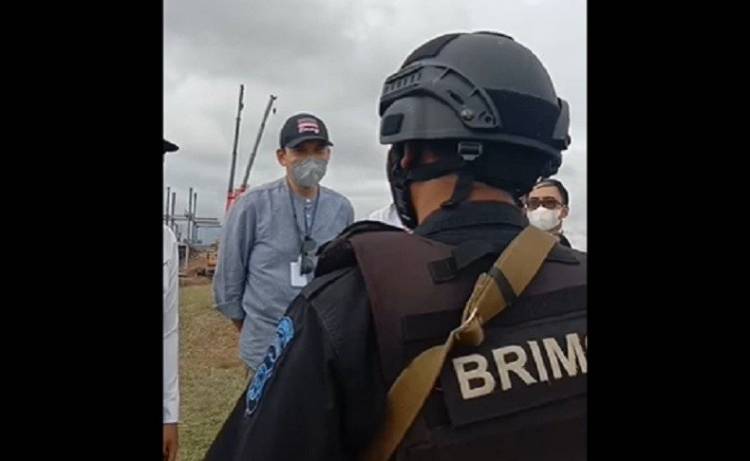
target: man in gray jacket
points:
(271, 234)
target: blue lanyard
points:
(308, 230)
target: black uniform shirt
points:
(320, 393)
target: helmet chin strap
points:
(468, 152)
(461, 190)
(461, 165)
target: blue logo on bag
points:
(284, 335)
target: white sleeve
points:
(388, 215)
(171, 333)
(377, 215)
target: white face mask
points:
(544, 219)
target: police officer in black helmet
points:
(497, 344)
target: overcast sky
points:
(330, 57)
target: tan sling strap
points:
(493, 292)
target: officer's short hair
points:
(557, 184)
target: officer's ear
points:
(564, 212)
(409, 159)
(417, 154)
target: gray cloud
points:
(330, 57)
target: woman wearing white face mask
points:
(547, 207)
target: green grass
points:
(211, 373)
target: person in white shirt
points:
(388, 214)
(547, 206)
(170, 304)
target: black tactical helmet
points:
(481, 90)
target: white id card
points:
(298, 279)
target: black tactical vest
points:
(521, 394)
